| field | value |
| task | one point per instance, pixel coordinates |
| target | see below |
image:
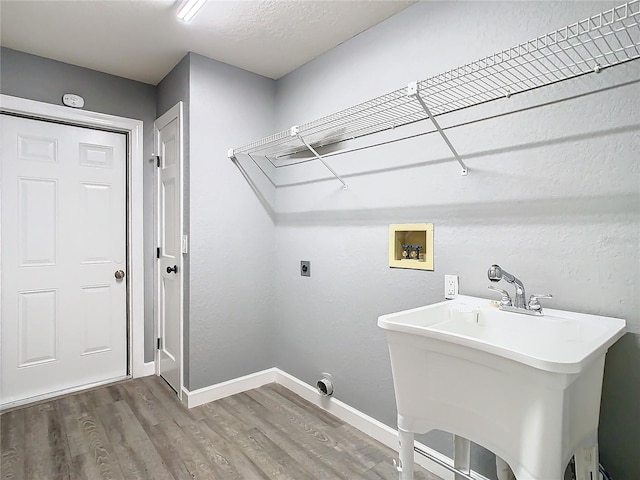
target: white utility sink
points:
(525, 387)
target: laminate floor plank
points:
(224, 460)
(299, 418)
(238, 459)
(12, 445)
(87, 436)
(83, 467)
(45, 444)
(282, 465)
(170, 402)
(290, 458)
(240, 434)
(316, 411)
(59, 446)
(178, 449)
(70, 411)
(120, 423)
(143, 404)
(138, 458)
(100, 448)
(310, 448)
(279, 417)
(367, 448)
(103, 396)
(139, 430)
(169, 454)
(242, 406)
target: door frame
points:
(134, 189)
(176, 112)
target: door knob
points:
(119, 274)
(173, 269)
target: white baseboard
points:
(366, 424)
(149, 368)
(228, 388)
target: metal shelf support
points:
(295, 132)
(414, 92)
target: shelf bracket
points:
(413, 91)
(295, 132)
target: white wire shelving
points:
(588, 46)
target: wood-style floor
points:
(138, 430)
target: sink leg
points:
(461, 455)
(406, 454)
(587, 463)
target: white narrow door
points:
(168, 133)
(63, 240)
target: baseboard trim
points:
(225, 389)
(149, 368)
(366, 424)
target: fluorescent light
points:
(189, 8)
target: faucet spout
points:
(496, 274)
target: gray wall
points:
(232, 232)
(45, 80)
(553, 195)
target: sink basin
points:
(525, 387)
(559, 341)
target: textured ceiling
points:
(143, 40)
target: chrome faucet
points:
(496, 274)
(519, 304)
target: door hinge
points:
(185, 244)
(159, 343)
(158, 161)
(158, 252)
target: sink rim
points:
(614, 328)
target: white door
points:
(64, 319)
(168, 141)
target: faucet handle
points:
(533, 300)
(506, 299)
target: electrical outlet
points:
(450, 286)
(305, 268)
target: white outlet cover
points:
(450, 286)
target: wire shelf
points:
(601, 41)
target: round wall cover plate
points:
(72, 100)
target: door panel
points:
(63, 236)
(95, 208)
(97, 316)
(169, 224)
(37, 149)
(37, 221)
(169, 266)
(96, 155)
(37, 327)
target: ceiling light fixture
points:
(189, 8)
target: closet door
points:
(168, 138)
